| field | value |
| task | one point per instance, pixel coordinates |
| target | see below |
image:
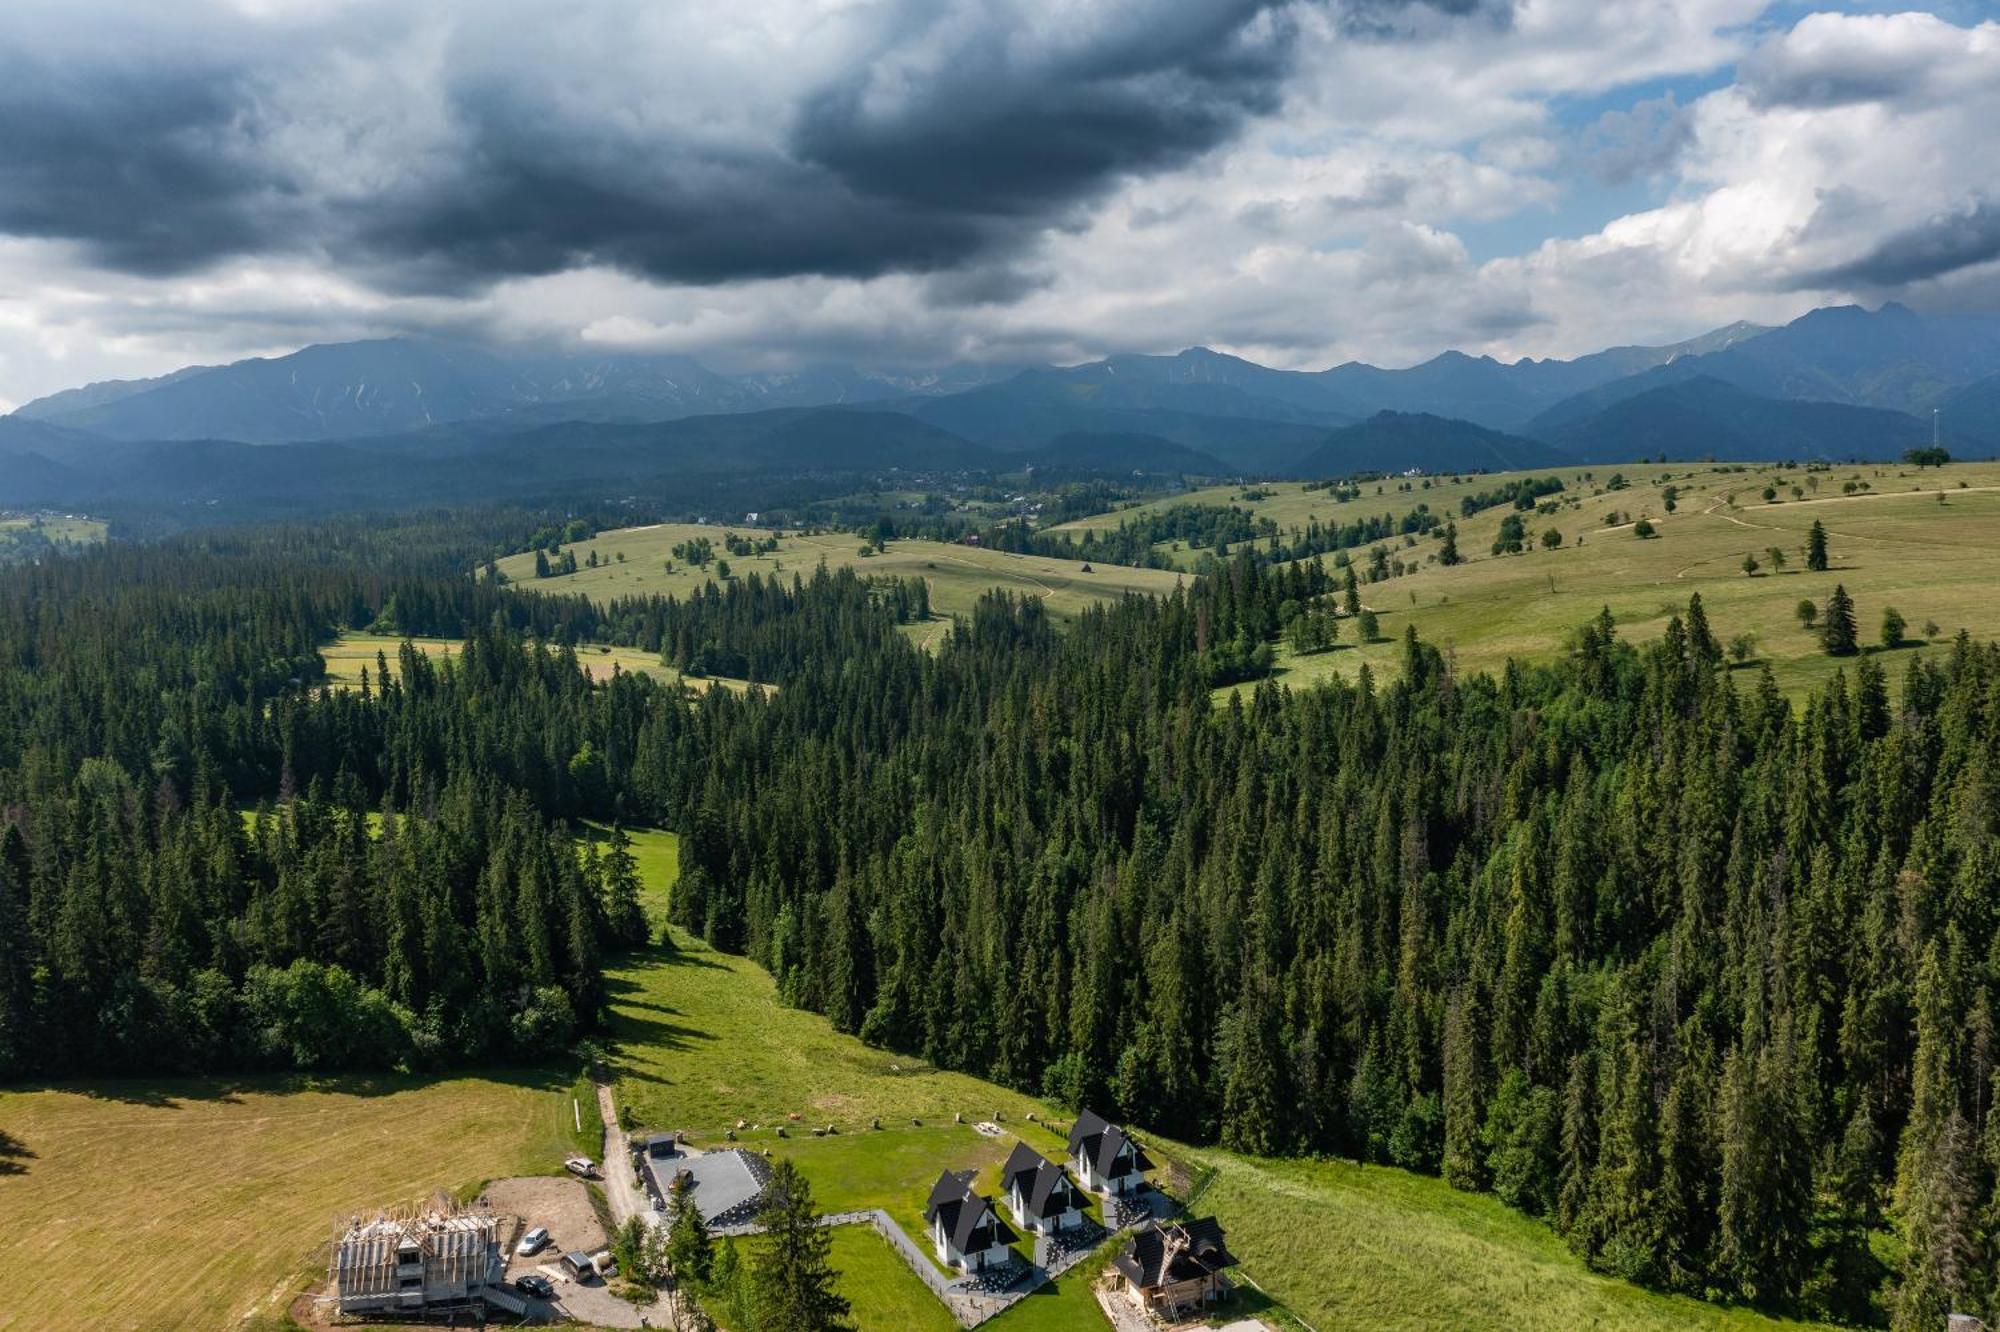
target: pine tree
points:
(792, 1280)
(1837, 628)
(1464, 1164)
(690, 1251)
(1934, 1184)
(625, 918)
(1448, 552)
(1816, 547)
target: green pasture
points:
(957, 575)
(1893, 544)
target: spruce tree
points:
(625, 918)
(1935, 1198)
(792, 1279)
(690, 1251)
(1816, 547)
(1837, 628)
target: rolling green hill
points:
(957, 575)
(1893, 543)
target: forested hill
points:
(1704, 979)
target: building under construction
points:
(430, 1260)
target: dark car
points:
(537, 1286)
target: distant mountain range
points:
(440, 421)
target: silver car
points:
(533, 1242)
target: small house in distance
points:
(417, 1262)
(1105, 1160)
(1174, 1270)
(966, 1229)
(1039, 1192)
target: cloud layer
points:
(1304, 180)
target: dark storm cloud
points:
(948, 140)
(991, 133)
(150, 169)
(934, 151)
(1942, 245)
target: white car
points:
(533, 1242)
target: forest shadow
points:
(654, 956)
(169, 1093)
(14, 1154)
(629, 1028)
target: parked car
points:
(581, 1166)
(537, 1286)
(533, 1242)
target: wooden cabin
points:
(1175, 1270)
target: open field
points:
(56, 529)
(162, 1205)
(957, 575)
(348, 655)
(1893, 544)
(1290, 504)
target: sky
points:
(771, 183)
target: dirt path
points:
(621, 1190)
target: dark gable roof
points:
(1046, 1189)
(1183, 1251)
(1088, 1125)
(963, 1212)
(1100, 1142)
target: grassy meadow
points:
(957, 575)
(26, 533)
(1893, 544)
(199, 1205)
(1344, 1245)
(349, 654)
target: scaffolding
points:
(422, 1258)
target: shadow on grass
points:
(13, 1154)
(649, 958)
(172, 1093)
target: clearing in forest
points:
(958, 575)
(349, 654)
(1923, 541)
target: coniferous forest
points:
(1704, 977)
